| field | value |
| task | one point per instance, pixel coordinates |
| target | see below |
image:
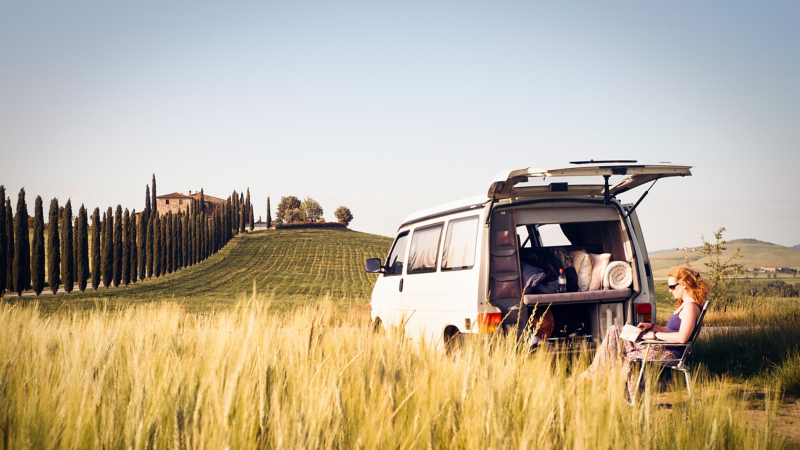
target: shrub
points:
(343, 215)
(300, 225)
(287, 204)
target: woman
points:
(689, 291)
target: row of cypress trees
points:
(125, 247)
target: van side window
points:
(424, 249)
(459, 244)
(394, 263)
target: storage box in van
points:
(484, 264)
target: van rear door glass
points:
(394, 263)
(459, 244)
(424, 249)
(552, 235)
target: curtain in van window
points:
(424, 249)
(459, 244)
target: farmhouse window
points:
(168, 201)
(459, 244)
(180, 202)
(424, 249)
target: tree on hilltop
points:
(287, 204)
(3, 241)
(343, 215)
(269, 215)
(10, 246)
(37, 250)
(82, 249)
(67, 249)
(311, 210)
(22, 252)
(96, 246)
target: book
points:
(631, 333)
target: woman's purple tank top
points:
(673, 325)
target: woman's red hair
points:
(692, 281)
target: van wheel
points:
(377, 326)
(452, 340)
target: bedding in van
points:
(583, 267)
(618, 275)
(599, 264)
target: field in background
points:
(289, 266)
(155, 376)
(755, 254)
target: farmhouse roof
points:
(174, 195)
(208, 198)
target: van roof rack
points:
(607, 161)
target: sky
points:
(392, 107)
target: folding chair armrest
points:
(684, 344)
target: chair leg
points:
(688, 381)
(641, 372)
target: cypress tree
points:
(185, 240)
(202, 201)
(168, 240)
(134, 248)
(10, 247)
(269, 215)
(242, 217)
(67, 250)
(75, 252)
(141, 237)
(37, 250)
(3, 242)
(108, 248)
(249, 212)
(164, 248)
(149, 244)
(96, 247)
(174, 248)
(156, 246)
(22, 252)
(235, 217)
(118, 249)
(126, 248)
(153, 203)
(82, 249)
(197, 236)
(145, 246)
(53, 248)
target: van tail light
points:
(644, 312)
(489, 323)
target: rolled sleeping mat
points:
(618, 275)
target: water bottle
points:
(562, 281)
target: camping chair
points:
(681, 366)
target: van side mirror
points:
(374, 265)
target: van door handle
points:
(401, 285)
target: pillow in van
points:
(599, 263)
(583, 265)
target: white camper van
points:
(481, 265)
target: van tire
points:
(377, 325)
(452, 340)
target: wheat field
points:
(157, 376)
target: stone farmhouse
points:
(180, 202)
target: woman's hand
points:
(649, 336)
(645, 326)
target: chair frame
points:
(681, 362)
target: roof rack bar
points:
(609, 161)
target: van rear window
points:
(424, 249)
(459, 244)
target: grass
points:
(290, 266)
(155, 376)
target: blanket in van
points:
(618, 275)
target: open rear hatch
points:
(506, 184)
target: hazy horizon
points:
(393, 108)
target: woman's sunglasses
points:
(673, 286)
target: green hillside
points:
(290, 266)
(754, 254)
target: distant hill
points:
(755, 253)
(796, 247)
